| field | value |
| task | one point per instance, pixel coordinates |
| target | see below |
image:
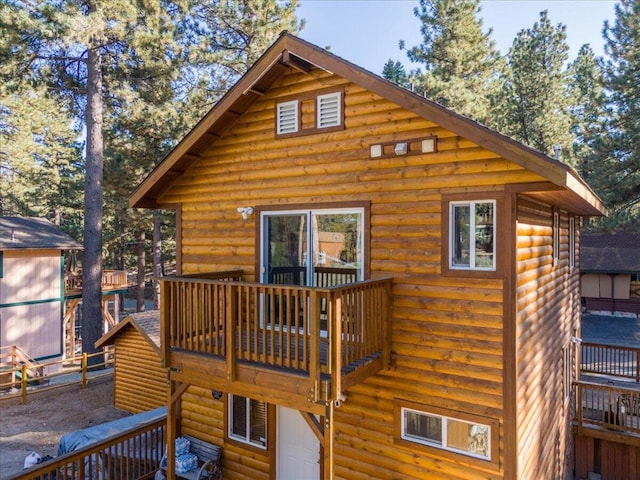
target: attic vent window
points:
(329, 111)
(287, 117)
(310, 113)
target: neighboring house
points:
(436, 344)
(32, 285)
(610, 272)
(140, 379)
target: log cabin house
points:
(395, 287)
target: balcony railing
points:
(612, 360)
(318, 331)
(111, 280)
(608, 408)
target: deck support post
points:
(329, 433)
(174, 405)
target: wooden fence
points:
(26, 377)
(134, 455)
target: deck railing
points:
(608, 407)
(610, 360)
(135, 454)
(111, 280)
(317, 330)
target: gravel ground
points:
(38, 425)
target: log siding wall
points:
(447, 336)
(548, 314)
(140, 381)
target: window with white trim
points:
(328, 110)
(247, 421)
(472, 233)
(460, 436)
(287, 121)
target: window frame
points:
(246, 440)
(447, 200)
(442, 450)
(556, 237)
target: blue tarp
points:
(88, 436)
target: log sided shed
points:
(447, 355)
(140, 379)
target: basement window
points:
(247, 421)
(446, 432)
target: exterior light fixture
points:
(245, 212)
(429, 145)
(401, 148)
(375, 151)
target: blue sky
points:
(366, 32)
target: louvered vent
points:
(329, 111)
(287, 117)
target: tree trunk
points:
(157, 258)
(92, 322)
(142, 262)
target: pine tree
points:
(40, 166)
(588, 114)
(535, 97)
(395, 72)
(72, 47)
(459, 59)
(620, 151)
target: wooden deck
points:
(608, 395)
(309, 342)
(112, 281)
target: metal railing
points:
(612, 360)
(135, 454)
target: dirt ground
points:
(38, 425)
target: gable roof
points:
(610, 253)
(564, 184)
(146, 323)
(30, 233)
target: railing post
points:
(336, 349)
(386, 311)
(84, 369)
(579, 408)
(23, 385)
(231, 292)
(638, 365)
(314, 346)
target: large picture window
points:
(472, 235)
(248, 421)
